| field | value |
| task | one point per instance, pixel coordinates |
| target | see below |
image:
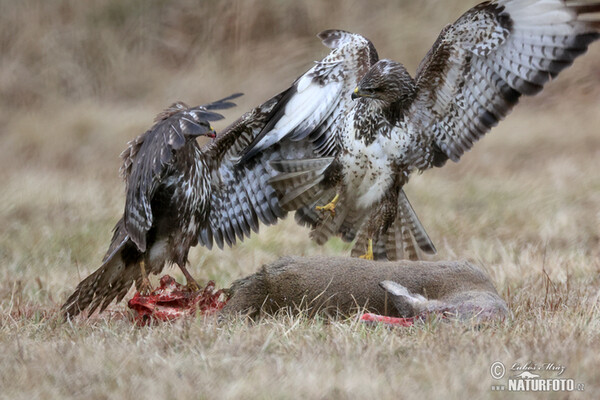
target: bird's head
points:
(206, 129)
(386, 82)
(195, 122)
(189, 122)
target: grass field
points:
(80, 79)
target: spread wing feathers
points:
(481, 65)
(149, 157)
(241, 195)
(316, 100)
(298, 181)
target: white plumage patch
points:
(322, 93)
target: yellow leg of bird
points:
(191, 285)
(330, 206)
(369, 254)
(145, 286)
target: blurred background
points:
(80, 79)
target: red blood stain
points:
(172, 301)
(393, 321)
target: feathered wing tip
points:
(529, 42)
(200, 112)
(204, 112)
(196, 113)
(223, 103)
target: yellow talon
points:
(330, 206)
(369, 255)
(192, 287)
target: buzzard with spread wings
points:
(473, 76)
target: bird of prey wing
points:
(241, 195)
(320, 97)
(158, 151)
(480, 66)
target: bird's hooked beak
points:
(358, 92)
(211, 133)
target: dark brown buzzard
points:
(179, 194)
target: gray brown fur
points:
(341, 286)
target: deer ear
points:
(407, 304)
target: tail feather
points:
(384, 248)
(417, 230)
(396, 244)
(101, 287)
(392, 244)
(351, 224)
(112, 280)
(409, 252)
(399, 240)
(361, 244)
(380, 249)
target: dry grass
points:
(79, 79)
